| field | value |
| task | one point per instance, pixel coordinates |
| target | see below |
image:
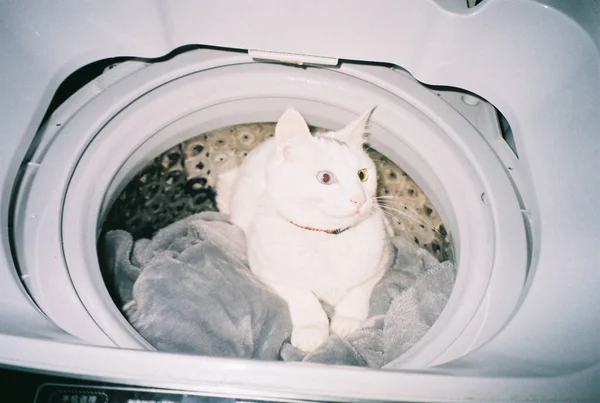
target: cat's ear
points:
(354, 134)
(291, 129)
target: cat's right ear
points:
(291, 129)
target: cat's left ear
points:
(354, 134)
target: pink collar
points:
(327, 231)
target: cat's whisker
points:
(422, 222)
(393, 197)
(381, 202)
(408, 215)
(398, 201)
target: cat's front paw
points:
(308, 338)
(344, 325)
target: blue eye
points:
(325, 177)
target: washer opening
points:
(181, 182)
(86, 163)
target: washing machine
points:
(491, 106)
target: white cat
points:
(313, 229)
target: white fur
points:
(276, 185)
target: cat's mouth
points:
(354, 212)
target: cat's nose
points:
(358, 199)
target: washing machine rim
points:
(184, 69)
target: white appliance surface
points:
(538, 62)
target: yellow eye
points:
(363, 175)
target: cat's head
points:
(325, 181)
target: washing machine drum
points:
(95, 143)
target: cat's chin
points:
(347, 220)
(326, 219)
(351, 215)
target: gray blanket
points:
(189, 290)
